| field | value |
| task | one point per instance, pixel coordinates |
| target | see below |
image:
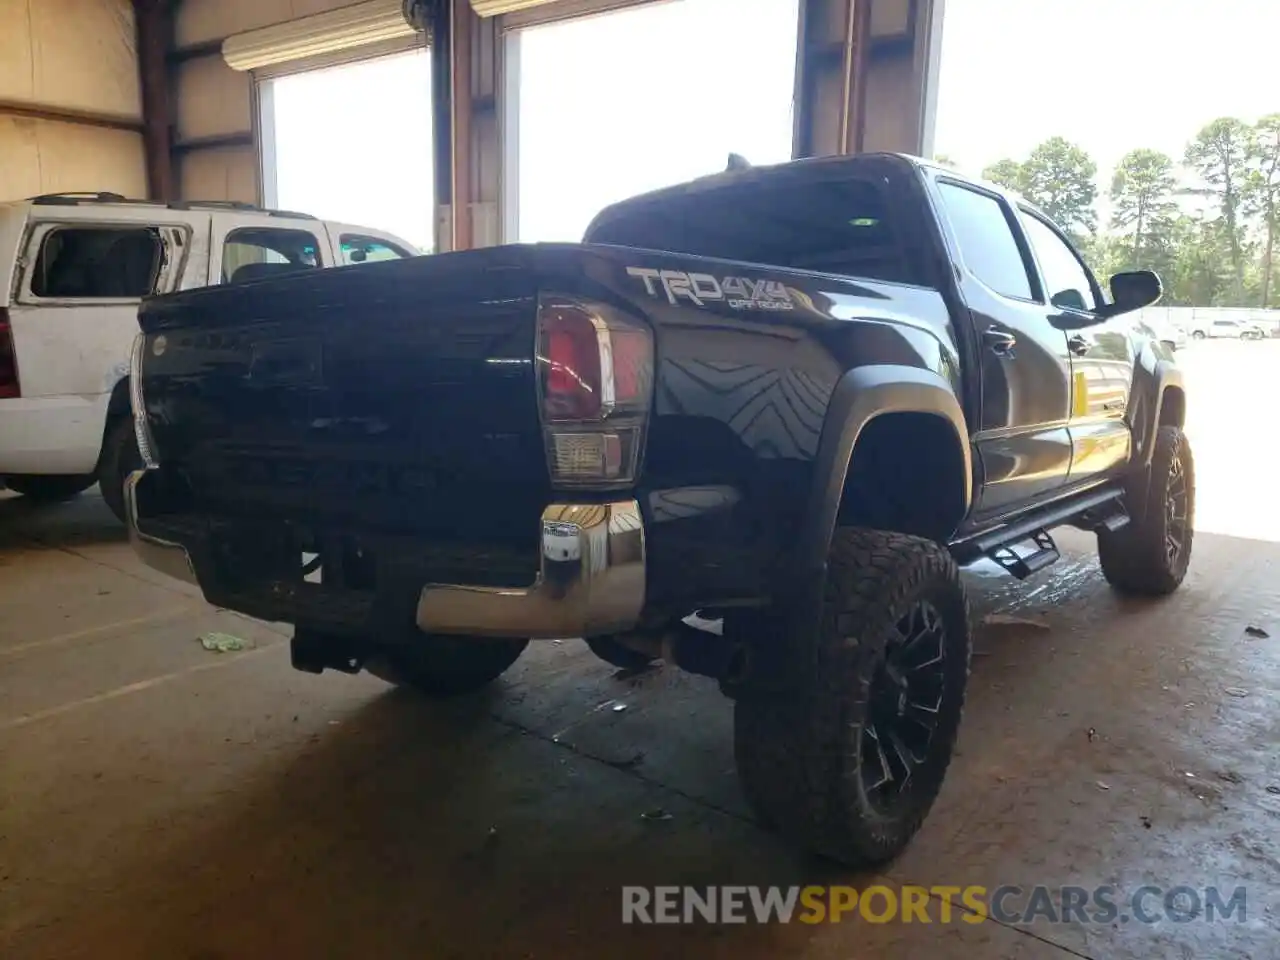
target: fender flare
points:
(860, 396)
(1152, 380)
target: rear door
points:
(1022, 436)
(254, 248)
(1101, 353)
(80, 281)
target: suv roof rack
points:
(76, 198)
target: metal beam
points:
(213, 142)
(154, 25)
(84, 118)
(464, 27)
(439, 13)
(866, 76)
(196, 51)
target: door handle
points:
(1078, 345)
(1000, 341)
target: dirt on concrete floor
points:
(161, 800)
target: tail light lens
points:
(141, 427)
(596, 372)
(10, 386)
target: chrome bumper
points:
(591, 579)
(169, 558)
(591, 582)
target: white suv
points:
(73, 268)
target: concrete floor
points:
(161, 801)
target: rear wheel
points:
(1197, 334)
(1149, 556)
(849, 759)
(52, 488)
(120, 457)
(441, 666)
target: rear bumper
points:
(591, 579)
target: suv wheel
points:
(848, 761)
(51, 488)
(1149, 556)
(445, 666)
(120, 457)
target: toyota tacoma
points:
(753, 425)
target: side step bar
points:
(1093, 510)
(1020, 566)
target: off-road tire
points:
(120, 457)
(50, 488)
(1136, 559)
(441, 666)
(800, 750)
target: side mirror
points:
(1132, 291)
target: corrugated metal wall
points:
(73, 59)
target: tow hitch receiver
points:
(313, 652)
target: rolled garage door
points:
(374, 26)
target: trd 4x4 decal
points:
(741, 293)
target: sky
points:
(613, 105)
(1110, 75)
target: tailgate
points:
(398, 396)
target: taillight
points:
(10, 387)
(596, 373)
(141, 427)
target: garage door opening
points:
(353, 143)
(617, 104)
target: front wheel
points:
(1149, 556)
(51, 488)
(849, 757)
(441, 666)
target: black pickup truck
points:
(792, 400)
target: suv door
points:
(1022, 439)
(1102, 355)
(73, 319)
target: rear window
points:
(106, 263)
(255, 253)
(842, 227)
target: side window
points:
(1066, 282)
(986, 240)
(253, 253)
(97, 263)
(356, 249)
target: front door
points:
(1022, 437)
(1101, 355)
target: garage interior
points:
(159, 799)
